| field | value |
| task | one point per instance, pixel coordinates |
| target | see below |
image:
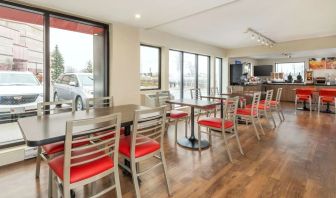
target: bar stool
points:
(252, 114)
(304, 95)
(48, 151)
(197, 95)
(145, 142)
(227, 124)
(275, 104)
(86, 164)
(326, 96)
(173, 115)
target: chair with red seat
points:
(326, 96)
(237, 89)
(252, 114)
(145, 142)
(276, 104)
(48, 151)
(228, 124)
(196, 94)
(101, 102)
(304, 95)
(80, 166)
(173, 115)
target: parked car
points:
(19, 91)
(74, 86)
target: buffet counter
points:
(288, 89)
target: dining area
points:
(82, 147)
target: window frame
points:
(46, 50)
(220, 70)
(159, 69)
(196, 70)
(304, 67)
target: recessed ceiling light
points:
(137, 16)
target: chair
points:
(197, 95)
(237, 89)
(145, 141)
(303, 95)
(326, 96)
(48, 151)
(275, 104)
(265, 107)
(101, 102)
(252, 114)
(174, 115)
(228, 124)
(86, 164)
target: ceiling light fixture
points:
(137, 16)
(260, 38)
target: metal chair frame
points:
(297, 98)
(103, 148)
(196, 94)
(230, 113)
(267, 111)
(147, 124)
(99, 102)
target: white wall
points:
(167, 41)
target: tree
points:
(89, 67)
(57, 63)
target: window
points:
(74, 45)
(218, 74)
(188, 71)
(150, 66)
(291, 68)
(175, 73)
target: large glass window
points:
(175, 72)
(218, 74)
(203, 74)
(150, 65)
(291, 68)
(188, 71)
(77, 54)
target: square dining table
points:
(191, 142)
(38, 131)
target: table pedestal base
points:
(192, 143)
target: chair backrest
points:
(99, 102)
(230, 109)
(214, 91)
(160, 99)
(148, 125)
(62, 106)
(268, 98)
(255, 103)
(278, 96)
(304, 91)
(103, 147)
(196, 94)
(327, 92)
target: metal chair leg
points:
(259, 122)
(255, 128)
(117, 182)
(38, 162)
(50, 186)
(272, 117)
(176, 122)
(164, 165)
(186, 127)
(135, 179)
(199, 138)
(238, 141)
(227, 148)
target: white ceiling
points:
(218, 22)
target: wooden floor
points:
(297, 159)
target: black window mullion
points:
(182, 73)
(209, 74)
(196, 70)
(220, 75)
(46, 69)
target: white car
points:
(19, 91)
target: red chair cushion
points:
(84, 171)
(327, 99)
(211, 107)
(140, 150)
(215, 123)
(57, 147)
(261, 106)
(122, 132)
(273, 102)
(303, 97)
(175, 114)
(245, 112)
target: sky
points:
(69, 42)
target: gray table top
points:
(193, 103)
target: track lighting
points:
(260, 38)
